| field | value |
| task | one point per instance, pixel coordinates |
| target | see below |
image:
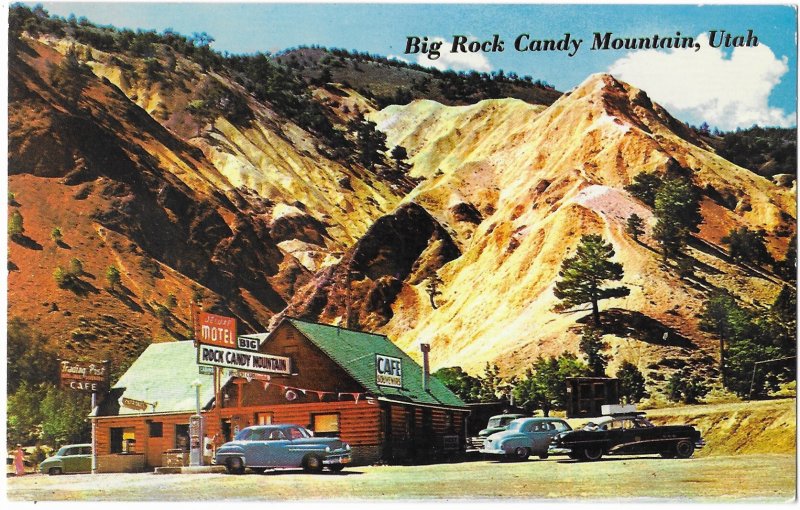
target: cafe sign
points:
(388, 371)
(240, 360)
(84, 376)
(216, 330)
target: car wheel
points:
(521, 453)
(593, 453)
(336, 467)
(543, 456)
(684, 449)
(312, 463)
(54, 471)
(234, 466)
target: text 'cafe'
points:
(335, 381)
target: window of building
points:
(325, 424)
(182, 436)
(156, 429)
(123, 439)
(264, 418)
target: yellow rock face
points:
(540, 178)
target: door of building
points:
(226, 430)
(155, 443)
(386, 422)
(155, 447)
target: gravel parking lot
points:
(770, 477)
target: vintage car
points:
(72, 458)
(525, 437)
(498, 423)
(626, 434)
(282, 446)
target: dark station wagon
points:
(626, 434)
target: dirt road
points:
(713, 478)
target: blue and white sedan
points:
(525, 437)
(264, 447)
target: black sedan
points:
(629, 434)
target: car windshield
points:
(515, 425)
(62, 452)
(494, 422)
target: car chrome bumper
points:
(337, 459)
(555, 450)
(699, 443)
(493, 451)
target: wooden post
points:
(94, 433)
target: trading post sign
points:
(85, 376)
(240, 360)
(216, 330)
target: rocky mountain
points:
(199, 183)
(235, 214)
(516, 186)
(393, 81)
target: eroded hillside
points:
(235, 215)
(199, 182)
(516, 186)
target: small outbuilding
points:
(586, 395)
(352, 384)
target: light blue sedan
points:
(525, 437)
(263, 447)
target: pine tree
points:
(746, 245)
(400, 157)
(787, 268)
(370, 142)
(631, 383)
(61, 277)
(685, 387)
(544, 384)
(113, 277)
(15, 226)
(583, 276)
(677, 211)
(432, 288)
(635, 226)
(592, 345)
(56, 235)
(70, 77)
(644, 187)
(76, 267)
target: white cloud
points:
(455, 61)
(398, 57)
(727, 92)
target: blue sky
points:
(727, 88)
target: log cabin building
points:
(355, 385)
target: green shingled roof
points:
(164, 374)
(355, 352)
